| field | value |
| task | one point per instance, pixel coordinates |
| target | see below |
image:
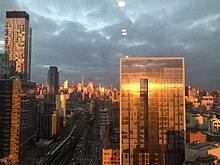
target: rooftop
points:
(203, 146)
(17, 14)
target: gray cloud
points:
(85, 36)
(4, 6)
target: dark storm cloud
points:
(73, 50)
(85, 36)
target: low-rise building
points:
(110, 157)
(214, 124)
(202, 153)
(194, 119)
(194, 100)
(196, 137)
(207, 100)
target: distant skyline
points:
(79, 36)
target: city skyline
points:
(79, 36)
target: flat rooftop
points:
(204, 146)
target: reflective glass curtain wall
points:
(152, 111)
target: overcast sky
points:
(85, 35)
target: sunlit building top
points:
(18, 42)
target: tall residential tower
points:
(18, 42)
(152, 111)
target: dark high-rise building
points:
(17, 119)
(152, 111)
(45, 118)
(18, 42)
(53, 80)
(28, 118)
(10, 108)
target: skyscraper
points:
(66, 85)
(63, 106)
(53, 80)
(18, 42)
(83, 79)
(152, 111)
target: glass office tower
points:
(152, 111)
(53, 80)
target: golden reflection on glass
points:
(152, 110)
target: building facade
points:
(110, 157)
(104, 121)
(110, 146)
(48, 120)
(17, 118)
(7, 67)
(27, 118)
(152, 111)
(196, 137)
(18, 42)
(214, 124)
(10, 109)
